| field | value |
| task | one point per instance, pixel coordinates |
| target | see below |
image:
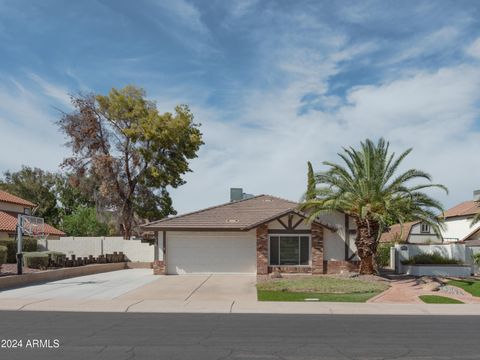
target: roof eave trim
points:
(295, 211)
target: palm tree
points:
(311, 184)
(368, 188)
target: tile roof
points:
(9, 198)
(239, 215)
(463, 209)
(8, 223)
(398, 232)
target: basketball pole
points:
(19, 245)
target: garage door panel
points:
(211, 253)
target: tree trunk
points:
(366, 243)
(127, 219)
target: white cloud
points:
(433, 112)
(438, 40)
(29, 135)
(474, 49)
(185, 12)
(54, 91)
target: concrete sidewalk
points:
(234, 307)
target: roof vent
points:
(476, 195)
(231, 221)
(268, 200)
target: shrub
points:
(433, 259)
(36, 260)
(11, 246)
(29, 245)
(3, 254)
(56, 256)
(383, 255)
(476, 258)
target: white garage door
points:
(211, 252)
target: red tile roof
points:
(465, 208)
(8, 223)
(12, 199)
(238, 215)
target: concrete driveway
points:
(192, 288)
(109, 285)
(139, 285)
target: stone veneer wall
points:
(290, 269)
(262, 250)
(317, 248)
(159, 267)
(338, 266)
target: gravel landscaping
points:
(11, 269)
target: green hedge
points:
(3, 254)
(383, 254)
(431, 259)
(29, 245)
(35, 260)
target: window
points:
(289, 250)
(425, 228)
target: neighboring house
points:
(414, 232)
(257, 235)
(458, 227)
(458, 221)
(10, 207)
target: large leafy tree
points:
(370, 188)
(37, 186)
(135, 152)
(73, 192)
(84, 222)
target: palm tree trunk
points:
(366, 243)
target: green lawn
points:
(319, 287)
(470, 286)
(264, 295)
(436, 299)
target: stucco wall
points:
(12, 207)
(452, 251)
(134, 250)
(334, 242)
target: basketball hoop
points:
(33, 226)
(30, 226)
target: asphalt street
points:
(234, 336)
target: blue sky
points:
(274, 83)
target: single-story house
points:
(254, 235)
(458, 227)
(10, 207)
